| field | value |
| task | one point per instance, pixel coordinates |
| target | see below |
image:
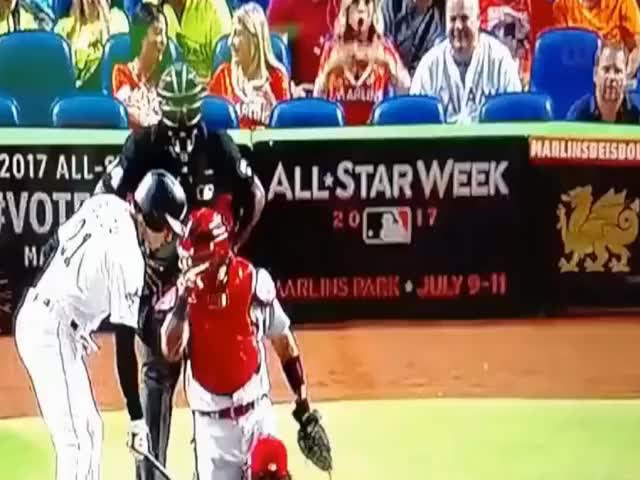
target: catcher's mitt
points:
(312, 437)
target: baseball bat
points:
(156, 464)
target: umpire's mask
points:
(181, 93)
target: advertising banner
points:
(410, 228)
(588, 207)
(400, 228)
(40, 187)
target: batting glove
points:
(138, 439)
(88, 344)
(84, 340)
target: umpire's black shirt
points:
(215, 166)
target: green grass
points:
(431, 439)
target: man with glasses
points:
(212, 172)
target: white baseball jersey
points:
(267, 313)
(98, 268)
(492, 70)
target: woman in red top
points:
(359, 66)
(254, 81)
(134, 83)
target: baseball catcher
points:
(224, 309)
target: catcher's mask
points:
(181, 93)
(206, 240)
(268, 460)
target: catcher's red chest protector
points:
(223, 346)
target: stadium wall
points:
(435, 221)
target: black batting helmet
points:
(161, 201)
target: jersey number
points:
(79, 243)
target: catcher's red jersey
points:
(224, 348)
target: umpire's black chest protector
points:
(200, 175)
(212, 168)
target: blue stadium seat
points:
(219, 114)
(118, 50)
(61, 8)
(407, 109)
(306, 112)
(9, 112)
(35, 69)
(517, 107)
(562, 67)
(238, 3)
(635, 98)
(222, 52)
(129, 7)
(89, 111)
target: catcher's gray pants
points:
(223, 446)
(159, 379)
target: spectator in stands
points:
(254, 81)
(307, 24)
(609, 103)
(359, 65)
(134, 83)
(196, 26)
(510, 21)
(613, 20)
(414, 26)
(467, 67)
(87, 29)
(14, 18)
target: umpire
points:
(211, 171)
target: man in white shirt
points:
(467, 67)
(95, 269)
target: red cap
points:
(269, 455)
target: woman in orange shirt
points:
(613, 20)
(134, 83)
(358, 67)
(254, 81)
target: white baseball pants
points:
(60, 380)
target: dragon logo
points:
(593, 233)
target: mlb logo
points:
(386, 225)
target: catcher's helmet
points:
(181, 94)
(269, 460)
(161, 201)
